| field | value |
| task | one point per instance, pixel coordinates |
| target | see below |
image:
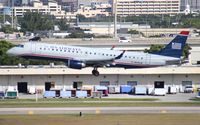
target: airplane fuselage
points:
(84, 54)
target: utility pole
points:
(12, 6)
(115, 18)
(4, 16)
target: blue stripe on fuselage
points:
(132, 66)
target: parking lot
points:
(179, 97)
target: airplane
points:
(80, 57)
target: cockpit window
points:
(20, 45)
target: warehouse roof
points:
(105, 71)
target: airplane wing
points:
(101, 62)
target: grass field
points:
(79, 99)
(90, 103)
(135, 119)
(195, 99)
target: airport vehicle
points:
(81, 57)
(36, 38)
(124, 40)
(189, 89)
(87, 38)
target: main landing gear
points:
(95, 72)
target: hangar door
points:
(132, 83)
(49, 85)
(77, 85)
(104, 83)
(159, 84)
(22, 87)
(185, 83)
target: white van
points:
(124, 40)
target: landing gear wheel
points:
(95, 72)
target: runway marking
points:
(163, 111)
(30, 112)
(98, 111)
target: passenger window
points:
(21, 46)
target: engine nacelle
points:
(74, 64)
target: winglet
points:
(112, 47)
(120, 56)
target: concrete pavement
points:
(99, 110)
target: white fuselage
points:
(89, 55)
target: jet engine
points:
(75, 64)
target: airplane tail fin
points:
(176, 46)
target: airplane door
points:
(148, 59)
(33, 47)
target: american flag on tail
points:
(176, 45)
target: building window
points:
(104, 83)
(132, 83)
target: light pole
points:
(12, 6)
(115, 18)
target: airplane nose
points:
(10, 52)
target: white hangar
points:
(46, 78)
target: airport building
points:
(58, 78)
(3, 3)
(107, 28)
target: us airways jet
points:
(79, 57)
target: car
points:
(87, 38)
(189, 89)
(37, 38)
(124, 40)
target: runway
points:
(99, 110)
